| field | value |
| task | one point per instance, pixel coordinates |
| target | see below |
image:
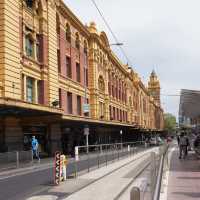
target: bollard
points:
(135, 194)
(76, 154)
(17, 159)
(31, 157)
(88, 161)
(101, 149)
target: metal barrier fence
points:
(15, 159)
(150, 190)
(95, 156)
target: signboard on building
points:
(57, 168)
(86, 108)
(86, 131)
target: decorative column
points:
(13, 134)
(25, 88)
(55, 138)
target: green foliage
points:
(170, 121)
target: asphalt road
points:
(21, 187)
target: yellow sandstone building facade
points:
(58, 76)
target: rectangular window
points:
(114, 116)
(29, 46)
(78, 73)
(86, 76)
(79, 105)
(30, 88)
(120, 115)
(113, 94)
(117, 114)
(58, 60)
(68, 66)
(39, 91)
(110, 112)
(109, 89)
(69, 102)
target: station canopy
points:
(189, 103)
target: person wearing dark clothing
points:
(188, 144)
(183, 146)
(178, 139)
(197, 145)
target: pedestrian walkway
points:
(184, 177)
(101, 184)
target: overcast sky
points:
(157, 34)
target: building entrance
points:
(40, 134)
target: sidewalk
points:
(101, 184)
(184, 177)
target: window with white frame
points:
(30, 89)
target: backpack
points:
(183, 141)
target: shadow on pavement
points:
(189, 194)
(191, 163)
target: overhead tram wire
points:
(111, 31)
(171, 95)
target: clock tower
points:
(154, 87)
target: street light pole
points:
(121, 132)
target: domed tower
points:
(154, 87)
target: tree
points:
(170, 122)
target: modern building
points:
(189, 108)
(58, 76)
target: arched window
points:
(68, 33)
(29, 43)
(101, 84)
(77, 41)
(38, 7)
(29, 3)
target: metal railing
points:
(150, 190)
(15, 159)
(92, 157)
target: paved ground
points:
(22, 183)
(184, 178)
(101, 184)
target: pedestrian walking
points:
(35, 146)
(183, 143)
(178, 139)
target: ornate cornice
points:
(61, 7)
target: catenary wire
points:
(111, 31)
